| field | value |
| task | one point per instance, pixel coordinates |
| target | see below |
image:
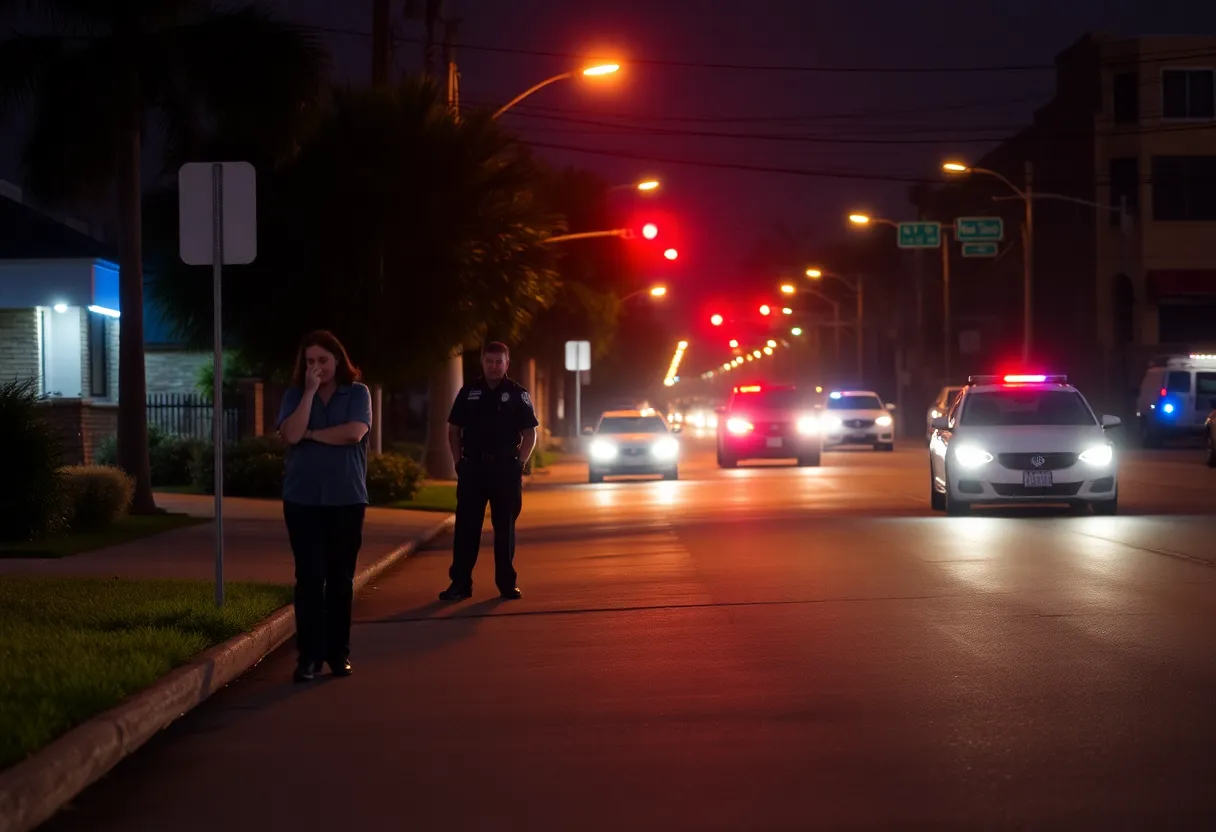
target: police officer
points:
(491, 432)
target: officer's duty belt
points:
(501, 456)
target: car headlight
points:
(884, 421)
(738, 426)
(602, 450)
(969, 456)
(665, 449)
(831, 422)
(1098, 455)
(808, 426)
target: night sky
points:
(802, 120)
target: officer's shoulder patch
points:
(523, 396)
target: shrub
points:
(252, 467)
(97, 496)
(392, 477)
(31, 490)
(170, 456)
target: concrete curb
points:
(36, 788)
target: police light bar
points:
(1031, 378)
(1194, 356)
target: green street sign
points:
(920, 234)
(980, 249)
(979, 229)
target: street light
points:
(593, 71)
(866, 219)
(646, 185)
(715, 319)
(796, 331)
(734, 343)
(671, 254)
(788, 288)
(658, 291)
(650, 231)
(854, 283)
(1026, 195)
(765, 309)
(814, 274)
(787, 311)
(653, 291)
(859, 219)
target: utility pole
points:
(1028, 268)
(382, 58)
(947, 335)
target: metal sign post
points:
(217, 207)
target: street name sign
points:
(920, 234)
(980, 249)
(979, 229)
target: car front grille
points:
(858, 423)
(1026, 462)
(1062, 489)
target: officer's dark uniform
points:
(489, 470)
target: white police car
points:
(1022, 439)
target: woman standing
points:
(325, 418)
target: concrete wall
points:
(173, 371)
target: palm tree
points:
(95, 85)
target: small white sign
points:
(578, 355)
(196, 209)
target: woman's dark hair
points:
(344, 373)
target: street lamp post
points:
(858, 286)
(790, 289)
(653, 291)
(590, 72)
(1026, 194)
(645, 186)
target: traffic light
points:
(734, 343)
(650, 231)
(716, 320)
(765, 309)
(671, 254)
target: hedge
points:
(95, 496)
(170, 456)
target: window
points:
(99, 357)
(1184, 188)
(1124, 186)
(1012, 408)
(1188, 93)
(1178, 382)
(631, 424)
(1205, 391)
(855, 403)
(1126, 93)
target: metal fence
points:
(190, 416)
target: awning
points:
(25, 284)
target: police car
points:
(629, 442)
(858, 417)
(1022, 439)
(1176, 395)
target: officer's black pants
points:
(325, 541)
(501, 485)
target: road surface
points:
(766, 648)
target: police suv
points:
(1022, 439)
(1176, 395)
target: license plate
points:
(774, 441)
(858, 437)
(1036, 479)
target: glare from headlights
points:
(831, 422)
(808, 426)
(666, 449)
(970, 456)
(884, 421)
(738, 426)
(1099, 455)
(935, 414)
(602, 450)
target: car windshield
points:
(847, 402)
(633, 424)
(1011, 408)
(779, 399)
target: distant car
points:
(1176, 393)
(627, 443)
(858, 417)
(768, 422)
(1022, 439)
(940, 407)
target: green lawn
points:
(73, 647)
(126, 529)
(431, 498)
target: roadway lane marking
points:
(1169, 553)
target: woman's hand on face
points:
(312, 379)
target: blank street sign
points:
(196, 226)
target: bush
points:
(170, 456)
(31, 490)
(252, 467)
(393, 477)
(97, 496)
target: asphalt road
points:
(755, 649)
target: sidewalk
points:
(255, 544)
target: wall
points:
(81, 426)
(20, 334)
(174, 371)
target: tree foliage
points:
(405, 231)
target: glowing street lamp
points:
(716, 320)
(796, 331)
(648, 185)
(734, 343)
(765, 309)
(955, 167)
(592, 71)
(658, 291)
(771, 343)
(814, 274)
(788, 288)
(859, 219)
(787, 311)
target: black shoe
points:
(305, 672)
(511, 594)
(340, 668)
(456, 593)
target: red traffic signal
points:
(671, 254)
(716, 320)
(765, 309)
(650, 231)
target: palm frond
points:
(24, 63)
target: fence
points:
(190, 416)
